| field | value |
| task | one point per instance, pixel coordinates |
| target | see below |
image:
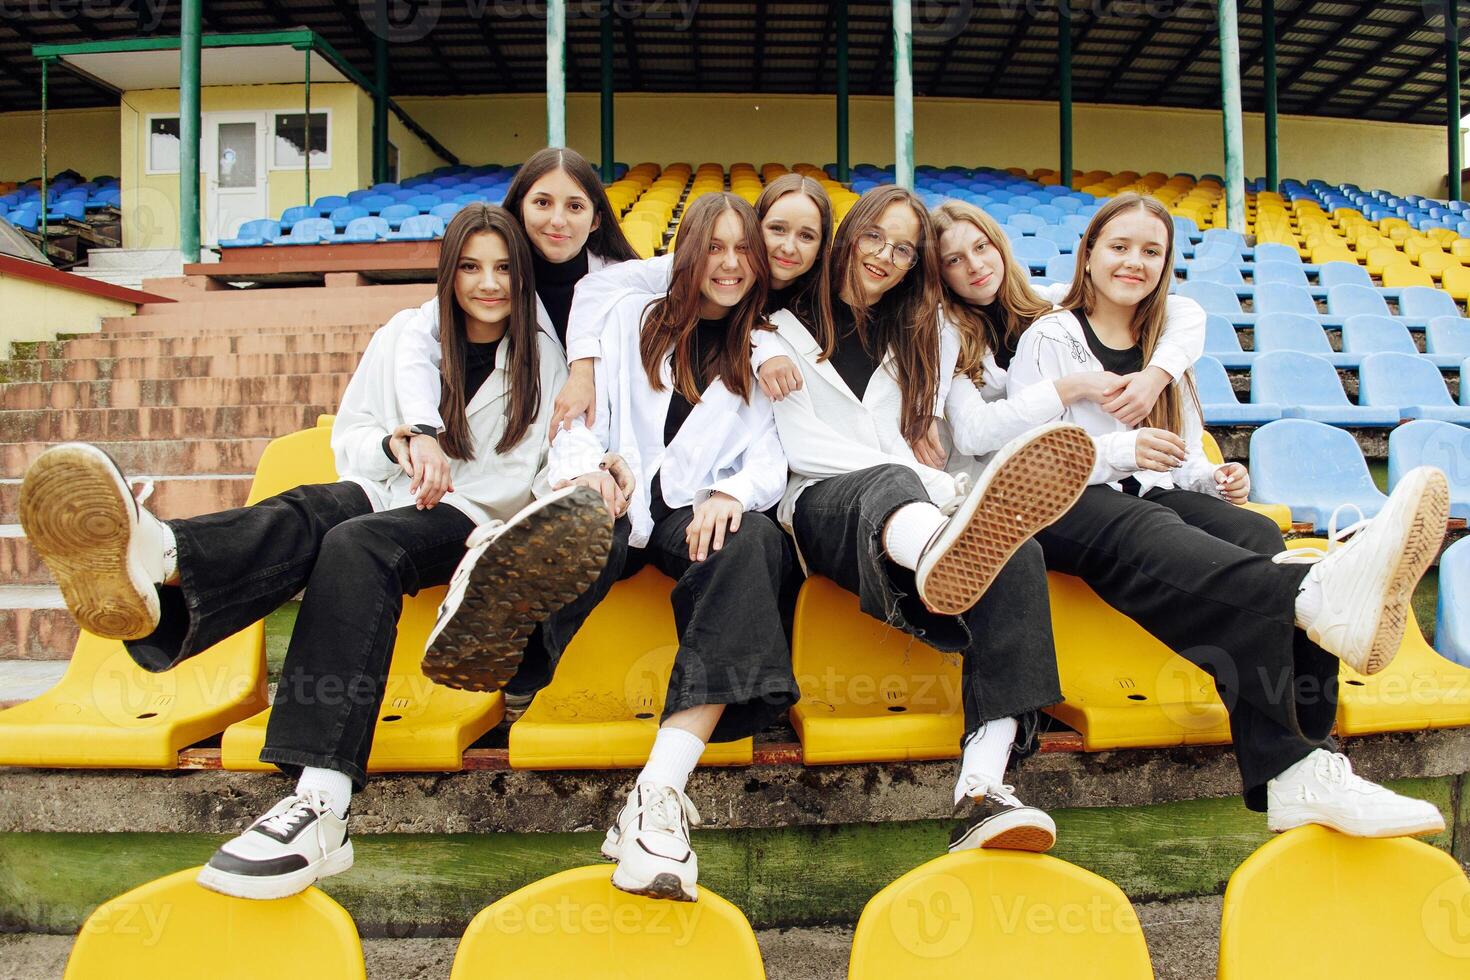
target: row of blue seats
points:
(28, 218)
(393, 207)
(1446, 339)
(1294, 385)
(1417, 304)
(321, 231)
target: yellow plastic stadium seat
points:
(421, 725)
(1383, 256)
(1016, 913)
(1436, 262)
(1456, 281)
(1314, 904)
(1333, 251)
(602, 709)
(1460, 248)
(1397, 276)
(576, 924)
(1280, 513)
(1417, 244)
(640, 236)
(172, 927)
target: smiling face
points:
(558, 216)
(482, 286)
(971, 264)
(897, 231)
(793, 233)
(1127, 260)
(727, 274)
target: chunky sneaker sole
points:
(538, 564)
(1031, 482)
(1284, 818)
(664, 885)
(1024, 829)
(265, 887)
(80, 516)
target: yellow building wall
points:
(84, 140)
(758, 128)
(39, 311)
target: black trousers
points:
(1009, 661)
(733, 647)
(1196, 573)
(355, 565)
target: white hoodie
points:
(488, 486)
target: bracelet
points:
(424, 430)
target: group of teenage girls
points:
(888, 403)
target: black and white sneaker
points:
(991, 817)
(298, 841)
(650, 842)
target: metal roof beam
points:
(1018, 37)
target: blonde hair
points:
(1018, 303)
(1147, 326)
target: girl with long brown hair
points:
(1160, 537)
(170, 590)
(677, 398)
(920, 549)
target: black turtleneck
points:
(779, 299)
(555, 284)
(854, 363)
(1005, 348)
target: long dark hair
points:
(811, 293)
(672, 320)
(607, 240)
(522, 355)
(906, 318)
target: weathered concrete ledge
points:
(761, 796)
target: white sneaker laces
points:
(663, 805)
(1334, 768)
(1335, 539)
(302, 806)
(977, 786)
(142, 487)
(961, 491)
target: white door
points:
(234, 172)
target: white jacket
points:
(828, 432)
(726, 445)
(487, 486)
(419, 354)
(1054, 347)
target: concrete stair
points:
(186, 394)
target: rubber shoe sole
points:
(1426, 534)
(267, 887)
(1026, 489)
(665, 885)
(1283, 819)
(79, 515)
(533, 569)
(1027, 829)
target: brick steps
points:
(173, 496)
(34, 625)
(297, 389)
(175, 457)
(165, 422)
(223, 365)
(19, 563)
(350, 339)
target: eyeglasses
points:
(872, 243)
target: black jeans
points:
(733, 647)
(1009, 661)
(355, 565)
(1196, 573)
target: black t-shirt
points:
(1129, 360)
(854, 363)
(478, 365)
(779, 299)
(708, 336)
(555, 284)
(1005, 348)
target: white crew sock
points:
(335, 786)
(674, 756)
(909, 529)
(1308, 600)
(170, 553)
(986, 755)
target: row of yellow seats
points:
(1032, 914)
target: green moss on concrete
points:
(278, 627)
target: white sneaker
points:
(107, 553)
(1355, 600)
(1030, 482)
(298, 842)
(515, 574)
(993, 817)
(1322, 788)
(650, 842)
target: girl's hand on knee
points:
(779, 377)
(1233, 481)
(430, 464)
(712, 516)
(1159, 450)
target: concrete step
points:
(173, 496)
(150, 261)
(189, 297)
(296, 389)
(34, 624)
(158, 422)
(174, 457)
(19, 563)
(277, 341)
(215, 366)
(189, 326)
(22, 680)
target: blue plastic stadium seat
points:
(260, 231)
(1060, 268)
(309, 231)
(1076, 222)
(1064, 238)
(1048, 213)
(375, 203)
(1349, 299)
(344, 215)
(1364, 334)
(1223, 343)
(1028, 224)
(368, 228)
(1294, 332)
(1307, 387)
(1312, 468)
(419, 228)
(1424, 302)
(301, 212)
(384, 187)
(1024, 202)
(424, 201)
(1291, 273)
(1271, 252)
(1452, 624)
(1409, 383)
(1001, 212)
(1448, 336)
(1465, 381)
(329, 203)
(1034, 252)
(1218, 400)
(1185, 227)
(1213, 296)
(1215, 270)
(1430, 442)
(358, 196)
(1282, 297)
(1343, 274)
(446, 212)
(396, 213)
(24, 218)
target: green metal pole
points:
(556, 72)
(903, 94)
(1452, 96)
(1268, 28)
(380, 94)
(608, 156)
(45, 178)
(1230, 111)
(189, 128)
(843, 131)
(307, 127)
(1064, 80)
